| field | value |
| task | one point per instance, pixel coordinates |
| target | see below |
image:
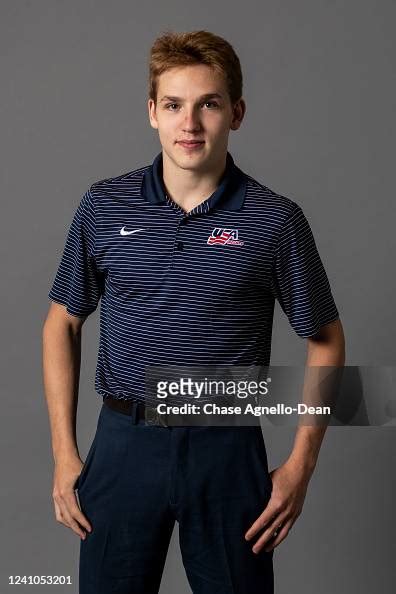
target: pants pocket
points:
(88, 460)
(85, 469)
(262, 454)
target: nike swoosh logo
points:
(123, 232)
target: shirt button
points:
(184, 221)
(179, 246)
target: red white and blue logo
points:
(224, 237)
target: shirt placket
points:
(184, 219)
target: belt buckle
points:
(153, 417)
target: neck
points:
(188, 187)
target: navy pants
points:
(139, 479)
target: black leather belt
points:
(136, 410)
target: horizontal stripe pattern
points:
(168, 298)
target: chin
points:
(184, 160)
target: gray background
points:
(319, 128)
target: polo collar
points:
(229, 195)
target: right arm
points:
(61, 373)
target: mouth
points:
(191, 144)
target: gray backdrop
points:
(319, 128)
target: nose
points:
(191, 121)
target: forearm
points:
(325, 355)
(61, 371)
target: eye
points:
(213, 103)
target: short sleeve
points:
(299, 280)
(78, 283)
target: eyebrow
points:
(206, 96)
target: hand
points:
(289, 487)
(67, 511)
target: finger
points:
(58, 514)
(71, 523)
(281, 536)
(57, 509)
(77, 514)
(270, 513)
(268, 534)
(67, 507)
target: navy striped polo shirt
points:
(194, 288)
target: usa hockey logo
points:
(224, 237)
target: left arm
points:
(290, 481)
(327, 348)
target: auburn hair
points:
(195, 47)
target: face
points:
(193, 105)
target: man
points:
(187, 256)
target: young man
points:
(187, 256)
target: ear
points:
(152, 113)
(238, 113)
